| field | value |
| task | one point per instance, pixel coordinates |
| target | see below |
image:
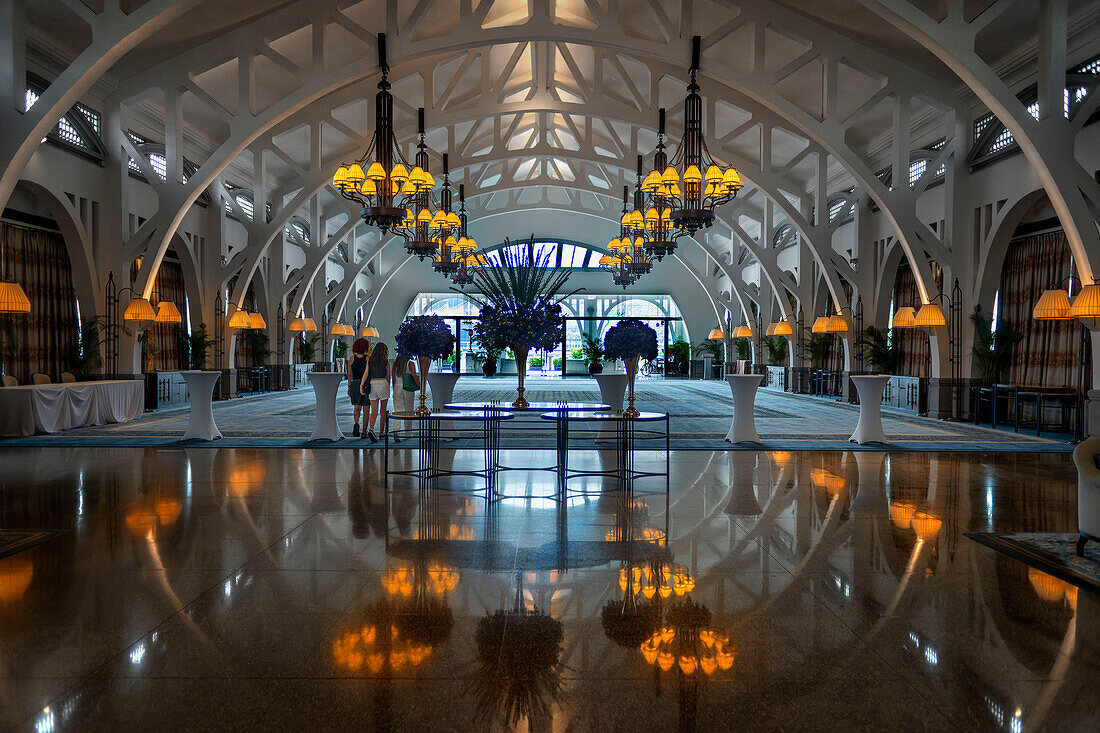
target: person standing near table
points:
(405, 384)
(357, 366)
(376, 385)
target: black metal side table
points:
(428, 436)
(627, 432)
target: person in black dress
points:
(357, 366)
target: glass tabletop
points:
(479, 415)
(610, 416)
(531, 406)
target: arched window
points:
(297, 226)
(784, 235)
(78, 130)
(562, 253)
(992, 139)
(155, 155)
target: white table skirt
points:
(50, 408)
(743, 427)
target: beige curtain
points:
(1050, 353)
(47, 337)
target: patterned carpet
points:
(1054, 554)
(700, 412)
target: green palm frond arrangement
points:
(521, 298)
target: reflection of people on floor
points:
(366, 514)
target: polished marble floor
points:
(218, 589)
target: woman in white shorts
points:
(404, 376)
(376, 385)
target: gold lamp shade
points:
(926, 525)
(716, 333)
(311, 325)
(1046, 586)
(240, 319)
(167, 312)
(13, 299)
(770, 330)
(337, 329)
(904, 317)
(901, 514)
(836, 324)
(742, 332)
(256, 320)
(1087, 304)
(369, 332)
(139, 309)
(1053, 305)
(930, 315)
(297, 325)
(821, 325)
(781, 328)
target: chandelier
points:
(380, 180)
(707, 182)
(618, 262)
(634, 233)
(456, 245)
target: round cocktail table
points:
(743, 427)
(200, 387)
(326, 386)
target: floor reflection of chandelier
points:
(687, 641)
(689, 187)
(662, 579)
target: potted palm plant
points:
(883, 352)
(592, 351)
(198, 345)
(992, 350)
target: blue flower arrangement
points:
(425, 336)
(630, 338)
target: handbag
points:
(408, 383)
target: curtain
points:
(914, 341)
(1050, 352)
(169, 337)
(47, 337)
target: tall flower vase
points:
(425, 364)
(631, 372)
(521, 371)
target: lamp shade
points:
(742, 332)
(13, 299)
(167, 312)
(836, 324)
(716, 333)
(240, 319)
(369, 332)
(1087, 303)
(930, 315)
(311, 325)
(770, 330)
(780, 328)
(337, 329)
(297, 325)
(904, 317)
(257, 320)
(1053, 305)
(139, 309)
(821, 325)
(926, 525)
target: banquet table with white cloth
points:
(50, 408)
